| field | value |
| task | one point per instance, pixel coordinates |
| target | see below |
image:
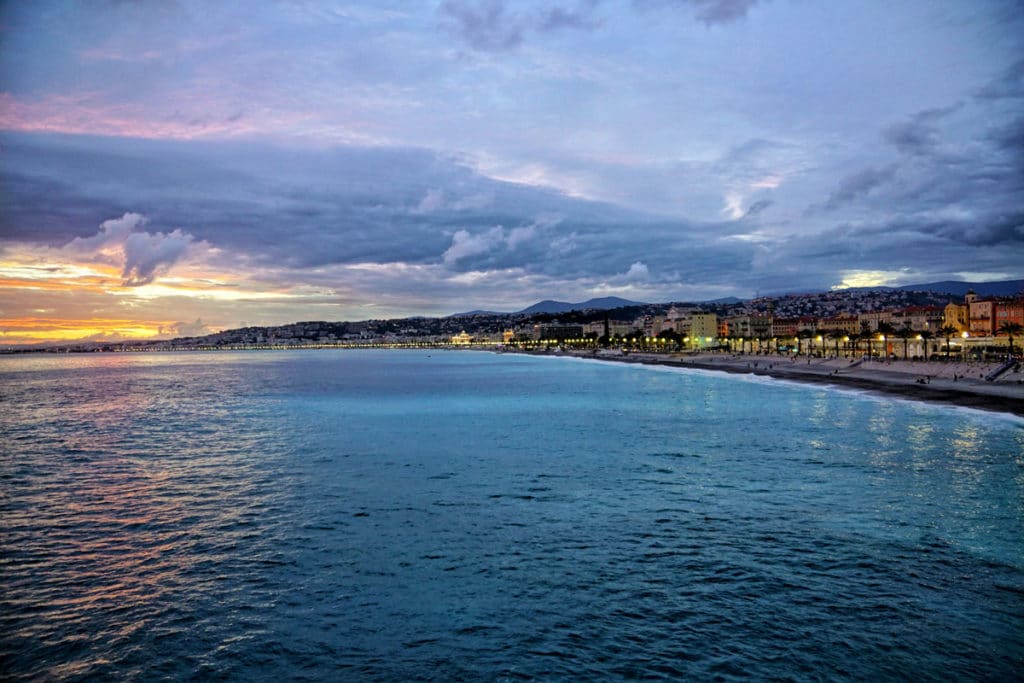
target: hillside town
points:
(976, 328)
(882, 323)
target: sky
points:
(172, 168)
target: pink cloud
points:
(84, 115)
(89, 114)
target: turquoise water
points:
(388, 515)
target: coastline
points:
(929, 382)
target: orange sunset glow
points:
(162, 173)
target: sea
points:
(388, 515)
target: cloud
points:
(183, 329)
(148, 254)
(708, 11)
(1009, 137)
(918, 135)
(432, 201)
(519, 236)
(112, 232)
(465, 244)
(435, 200)
(1003, 231)
(489, 26)
(638, 272)
(558, 18)
(397, 212)
(1008, 85)
(859, 185)
(722, 11)
(144, 255)
(483, 25)
(757, 207)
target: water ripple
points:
(378, 517)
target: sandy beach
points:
(957, 383)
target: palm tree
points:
(905, 333)
(1011, 329)
(947, 331)
(885, 329)
(762, 340)
(865, 334)
(925, 337)
(803, 334)
(835, 335)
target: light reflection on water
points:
(377, 516)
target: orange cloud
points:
(36, 330)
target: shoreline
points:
(895, 378)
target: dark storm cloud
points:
(859, 185)
(485, 25)
(1008, 85)
(722, 11)
(304, 210)
(757, 207)
(707, 11)
(1002, 231)
(494, 26)
(918, 135)
(1009, 138)
(921, 243)
(309, 209)
(560, 18)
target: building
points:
(555, 331)
(703, 329)
(844, 324)
(919, 318)
(1009, 311)
(616, 328)
(872, 319)
(785, 327)
(956, 316)
(981, 317)
(749, 326)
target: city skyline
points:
(174, 168)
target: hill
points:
(959, 288)
(602, 304)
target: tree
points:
(925, 337)
(905, 333)
(947, 331)
(670, 336)
(835, 335)
(1011, 329)
(803, 334)
(886, 330)
(865, 334)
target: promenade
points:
(956, 383)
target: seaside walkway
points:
(961, 383)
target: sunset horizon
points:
(170, 168)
